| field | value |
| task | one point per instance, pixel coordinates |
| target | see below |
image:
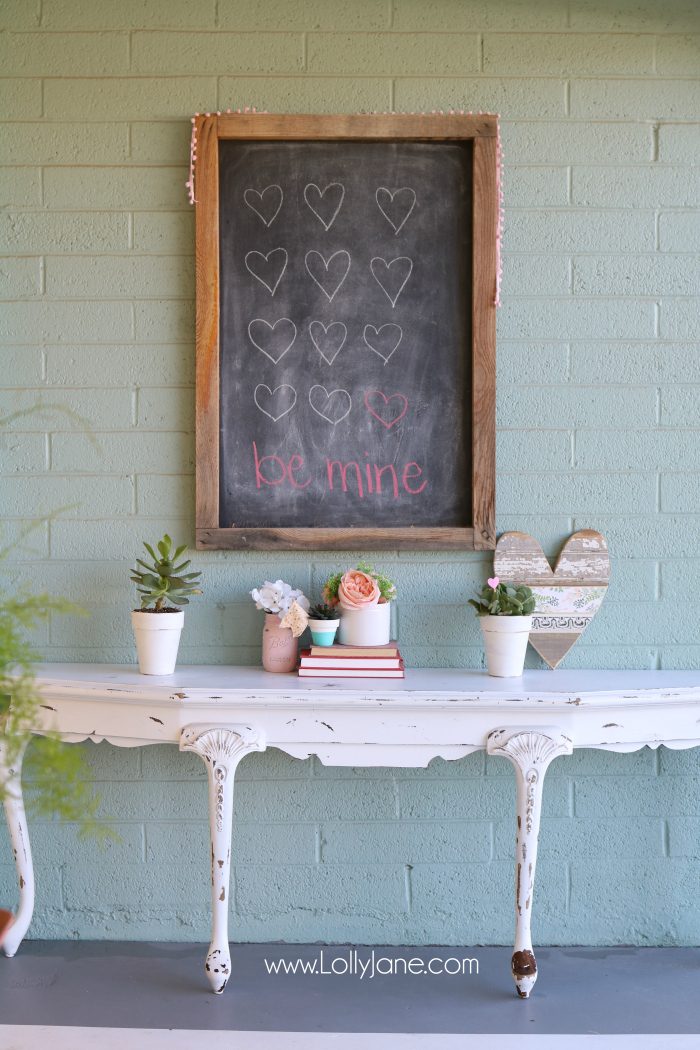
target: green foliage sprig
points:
(504, 599)
(323, 612)
(387, 588)
(163, 582)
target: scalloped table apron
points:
(223, 713)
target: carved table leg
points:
(221, 750)
(19, 837)
(530, 751)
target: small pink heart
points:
(493, 582)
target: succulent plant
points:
(503, 599)
(163, 584)
(323, 612)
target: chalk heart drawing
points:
(396, 205)
(328, 339)
(388, 410)
(273, 339)
(325, 203)
(266, 203)
(268, 269)
(383, 340)
(329, 273)
(566, 598)
(391, 276)
(332, 406)
(275, 403)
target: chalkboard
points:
(345, 372)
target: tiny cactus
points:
(503, 599)
(162, 584)
(323, 612)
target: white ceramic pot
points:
(370, 626)
(157, 639)
(505, 639)
(323, 631)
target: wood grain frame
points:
(482, 130)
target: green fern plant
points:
(163, 584)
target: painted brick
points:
(579, 231)
(536, 187)
(647, 15)
(19, 278)
(20, 14)
(60, 54)
(68, 409)
(163, 490)
(113, 188)
(315, 800)
(121, 452)
(164, 322)
(20, 366)
(551, 529)
(516, 360)
(19, 188)
(626, 99)
(63, 231)
(406, 842)
(481, 799)
(681, 578)
(37, 143)
(89, 540)
(306, 95)
(124, 365)
(122, 883)
(104, 625)
(166, 142)
(636, 797)
(683, 762)
(639, 625)
(166, 233)
(520, 449)
(313, 14)
(195, 54)
(564, 839)
(419, 16)
(134, 98)
(518, 97)
(678, 55)
(270, 844)
(679, 231)
(57, 322)
(169, 409)
(20, 453)
(680, 406)
(90, 497)
(680, 658)
(123, 277)
(571, 143)
(26, 541)
(655, 449)
(581, 493)
(636, 275)
(616, 657)
(83, 14)
(684, 838)
(680, 493)
(602, 318)
(57, 846)
(679, 319)
(679, 143)
(532, 274)
(567, 54)
(634, 187)
(20, 99)
(370, 891)
(385, 53)
(633, 581)
(577, 406)
(635, 362)
(658, 536)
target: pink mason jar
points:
(279, 646)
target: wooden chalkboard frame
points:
(482, 130)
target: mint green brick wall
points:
(598, 394)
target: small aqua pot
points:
(323, 631)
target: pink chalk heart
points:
(493, 582)
(387, 414)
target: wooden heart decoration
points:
(568, 597)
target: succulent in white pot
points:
(323, 623)
(505, 617)
(363, 598)
(164, 588)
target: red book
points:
(350, 663)
(336, 672)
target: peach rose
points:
(357, 590)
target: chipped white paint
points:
(530, 754)
(223, 713)
(221, 750)
(21, 851)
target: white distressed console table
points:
(223, 713)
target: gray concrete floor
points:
(143, 985)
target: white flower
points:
(277, 597)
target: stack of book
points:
(351, 661)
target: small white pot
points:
(323, 631)
(370, 626)
(505, 639)
(157, 639)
